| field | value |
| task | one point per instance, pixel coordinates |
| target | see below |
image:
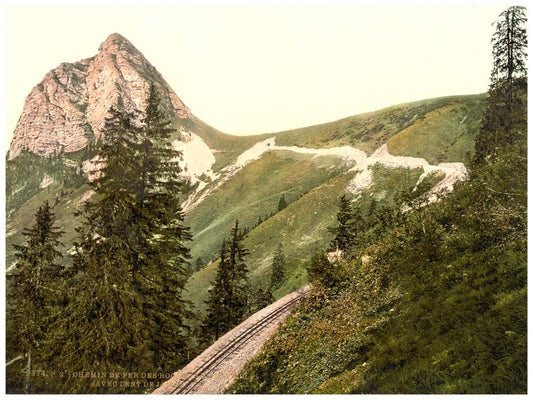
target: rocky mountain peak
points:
(114, 43)
(67, 109)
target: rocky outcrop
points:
(68, 108)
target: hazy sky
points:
(257, 69)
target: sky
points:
(249, 68)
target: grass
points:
(438, 305)
(302, 229)
(443, 135)
(254, 193)
(312, 193)
(369, 131)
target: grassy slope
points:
(369, 131)
(302, 228)
(63, 210)
(311, 185)
(438, 306)
(443, 135)
(254, 192)
(404, 126)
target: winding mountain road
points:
(213, 370)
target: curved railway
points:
(216, 367)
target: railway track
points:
(235, 349)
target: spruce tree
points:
(216, 321)
(502, 122)
(278, 268)
(240, 286)
(131, 259)
(35, 291)
(102, 324)
(162, 262)
(228, 301)
(282, 203)
(344, 235)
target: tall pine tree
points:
(228, 301)
(162, 261)
(35, 292)
(126, 311)
(102, 328)
(217, 318)
(241, 285)
(502, 122)
(278, 268)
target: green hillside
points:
(432, 302)
(455, 118)
(435, 305)
(302, 229)
(442, 135)
(254, 193)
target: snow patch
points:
(348, 154)
(197, 158)
(356, 158)
(361, 181)
(453, 172)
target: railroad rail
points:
(214, 369)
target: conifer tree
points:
(278, 268)
(131, 259)
(227, 303)
(218, 312)
(502, 122)
(162, 263)
(344, 235)
(240, 287)
(102, 326)
(35, 292)
(282, 203)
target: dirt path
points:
(214, 370)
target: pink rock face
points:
(69, 106)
